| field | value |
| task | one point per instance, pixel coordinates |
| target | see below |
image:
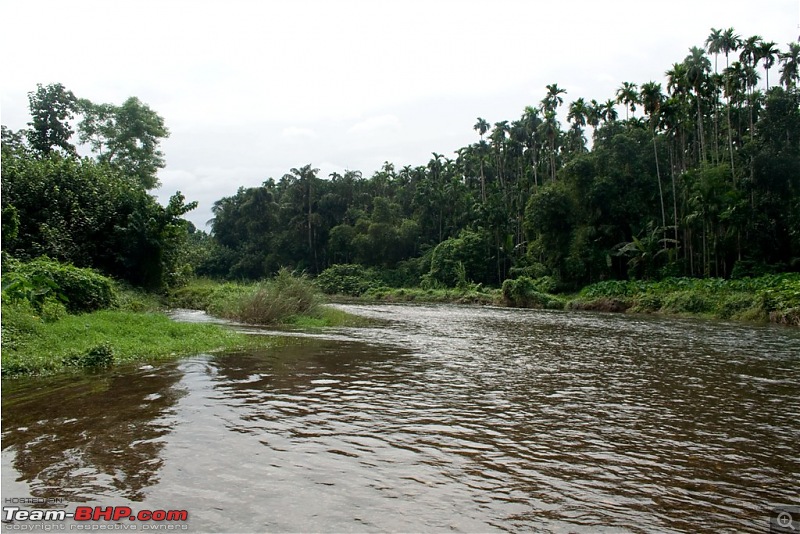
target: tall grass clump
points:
(279, 300)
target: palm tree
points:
(749, 58)
(550, 129)
(608, 111)
(697, 68)
(531, 122)
(628, 95)
(498, 138)
(481, 127)
(768, 52)
(593, 114)
(790, 61)
(577, 112)
(730, 42)
(651, 100)
(553, 98)
(714, 45)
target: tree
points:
(481, 127)
(126, 137)
(697, 67)
(790, 61)
(768, 52)
(627, 94)
(714, 45)
(51, 108)
(652, 99)
(608, 111)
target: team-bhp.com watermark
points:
(18, 517)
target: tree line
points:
(698, 176)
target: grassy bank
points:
(468, 295)
(57, 317)
(32, 346)
(774, 298)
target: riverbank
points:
(99, 339)
(772, 298)
(59, 318)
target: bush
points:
(687, 302)
(275, 301)
(20, 321)
(101, 355)
(346, 279)
(526, 293)
(81, 290)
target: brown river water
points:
(443, 418)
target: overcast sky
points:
(250, 89)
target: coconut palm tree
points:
(593, 114)
(627, 94)
(789, 69)
(730, 42)
(608, 110)
(577, 112)
(768, 52)
(531, 121)
(481, 127)
(697, 68)
(714, 45)
(550, 130)
(651, 98)
(553, 98)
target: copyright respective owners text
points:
(785, 518)
(55, 515)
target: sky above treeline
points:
(250, 89)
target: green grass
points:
(285, 299)
(773, 298)
(33, 347)
(470, 295)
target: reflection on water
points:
(76, 437)
(448, 418)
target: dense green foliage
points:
(701, 178)
(93, 212)
(773, 297)
(81, 290)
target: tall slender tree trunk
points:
(660, 191)
(730, 142)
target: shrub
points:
(687, 302)
(52, 310)
(20, 321)
(346, 279)
(274, 301)
(101, 355)
(525, 293)
(82, 290)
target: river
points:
(442, 418)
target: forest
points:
(694, 176)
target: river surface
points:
(443, 418)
